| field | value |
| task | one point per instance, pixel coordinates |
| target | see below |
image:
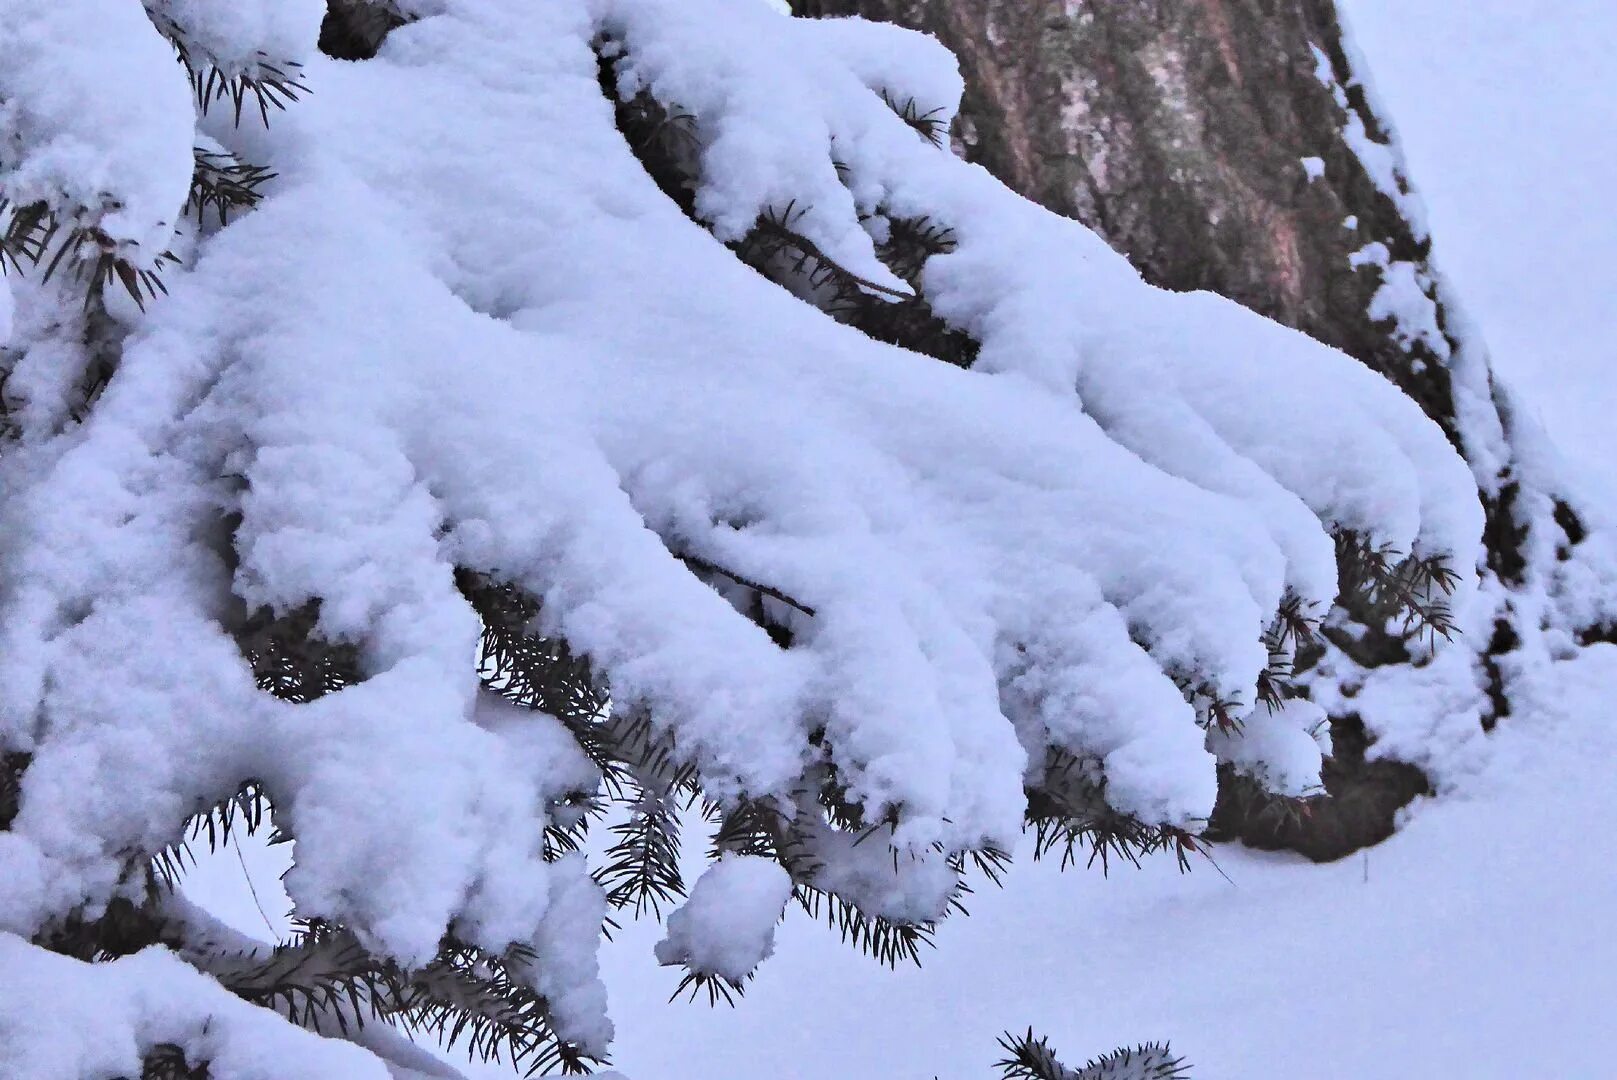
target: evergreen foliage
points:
(1032, 1058)
(647, 788)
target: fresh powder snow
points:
(465, 330)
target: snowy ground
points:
(1477, 942)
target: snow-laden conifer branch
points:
(1032, 1058)
(213, 46)
(461, 479)
(222, 186)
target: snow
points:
(7, 311)
(1379, 152)
(727, 925)
(488, 341)
(1281, 747)
(97, 119)
(76, 1019)
(565, 969)
(1472, 943)
(236, 38)
(1507, 129)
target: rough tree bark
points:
(1232, 145)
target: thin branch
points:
(696, 562)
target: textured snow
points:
(727, 925)
(96, 117)
(1474, 943)
(485, 340)
(238, 36)
(1281, 747)
(565, 970)
(78, 1019)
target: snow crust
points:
(479, 336)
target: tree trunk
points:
(1233, 146)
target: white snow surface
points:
(96, 118)
(1282, 747)
(237, 37)
(7, 311)
(465, 329)
(76, 1019)
(726, 927)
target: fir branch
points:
(888, 941)
(991, 862)
(290, 659)
(696, 562)
(247, 810)
(322, 972)
(716, 987)
(668, 143)
(538, 672)
(1292, 630)
(911, 242)
(1380, 584)
(266, 82)
(570, 821)
(751, 827)
(641, 868)
(905, 320)
(1031, 1058)
(464, 996)
(648, 758)
(663, 138)
(1068, 813)
(123, 927)
(468, 994)
(166, 1061)
(23, 238)
(778, 226)
(224, 185)
(73, 241)
(13, 763)
(929, 125)
(760, 827)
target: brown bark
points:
(1177, 129)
